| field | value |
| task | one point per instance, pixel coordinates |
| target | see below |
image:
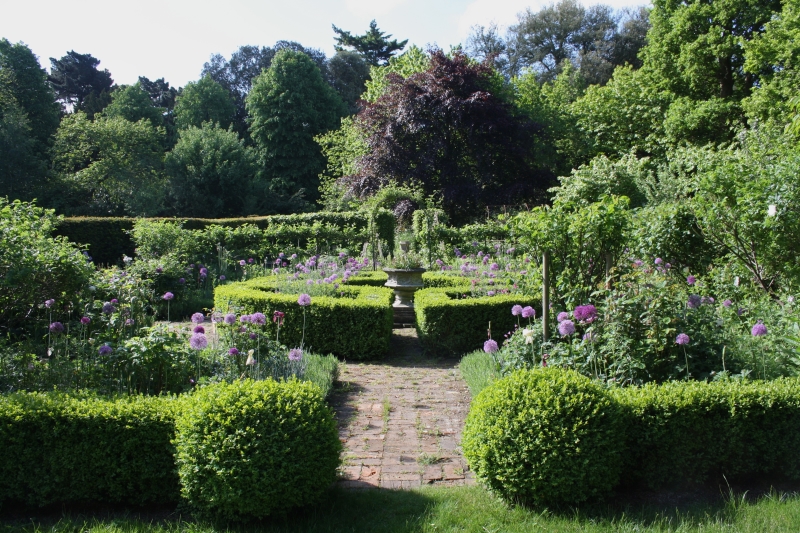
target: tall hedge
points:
(108, 239)
(448, 319)
(355, 325)
(61, 449)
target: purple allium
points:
(49, 303)
(562, 316)
(759, 329)
(159, 270)
(250, 260)
(199, 329)
(585, 313)
(108, 308)
(198, 318)
(85, 320)
(203, 272)
(489, 293)
(198, 341)
(566, 327)
(191, 266)
(182, 281)
(516, 310)
(638, 263)
(258, 318)
(222, 278)
(230, 318)
(691, 280)
(292, 257)
(727, 303)
(741, 311)
(104, 350)
(304, 300)
(129, 322)
(694, 301)
(114, 301)
(233, 351)
(528, 312)
(56, 327)
(494, 266)
(589, 337)
(295, 354)
(490, 346)
(242, 262)
(659, 260)
(244, 319)
(168, 295)
(253, 336)
(682, 339)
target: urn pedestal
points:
(404, 282)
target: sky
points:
(172, 39)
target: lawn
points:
(463, 509)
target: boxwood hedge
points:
(355, 325)
(448, 319)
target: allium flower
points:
(230, 319)
(242, 262)
(198, 341)
(49, 303)
(566, 327)
(130, 322)
(585, 313)
(253, 336)
(490, 346)
(494, 266)
(304, 300)
(694, 301)
(182, 281)
(638, 263)
(198, 318)
(244, 319)
(277, 317)
(114, 301)
(85, 320)
(527, 334)
(250, 259)
(159, 270)
(489, 293)
(222, 278)
(292, 257)
(203, 272)
(258, 318)
(108, 308)
(233, 351)
(589, 337)
(759, 330)
(168, 295)
(295, 354)
(199, 329)
(562, 316)
(727, 303)
(682, 339)
(528, 312)
(691, 280)
(104, 350)
(516, 310)
(658, 260)
(56, 327)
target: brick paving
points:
(400, 419)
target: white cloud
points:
(372, 8)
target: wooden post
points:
(545, 295)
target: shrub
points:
(695, 432)
(251, 449)
(545, 437)
(58, 449)
(449, 321)
(357, 324)
(479, 370)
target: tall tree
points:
(444, 129)
(202, 101)
(374, 46)
(349, 74)
(19, 164)
(289, 105)
(487, 45)
(132, 103)
(160, 92)
(78, 82)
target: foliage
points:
(374, 46)
(355, 323)
(213, 174)
(87, 450)
(349, 74)
(341, 148)
(289, 105)
(78, 82)
(547, 437)
(204, 101)
(479, 370)
(252, 449)
(133, 104)
(412, 61)
(603, 176)
(454, 321)
(34, 266)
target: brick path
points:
(400, 419)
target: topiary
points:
(250, 449)
(545, 437)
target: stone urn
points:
(404, 281)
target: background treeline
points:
(570, 91)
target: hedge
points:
(108, 239)
(694, 432)
(378, 278)
(356, 325)
(250, 449)
(446, 320)
(62, 449)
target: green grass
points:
(322, 370)
(462, 509)
(478, 370)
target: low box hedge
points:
(67, 449)
(449, 320)
(355, 325)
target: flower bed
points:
(356, 323)
(449, 319)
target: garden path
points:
(400, 419)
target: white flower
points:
(250, 359)
(772, 210)
(528, 334)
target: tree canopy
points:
(203, 101)
(374, 46)
(78, 82)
